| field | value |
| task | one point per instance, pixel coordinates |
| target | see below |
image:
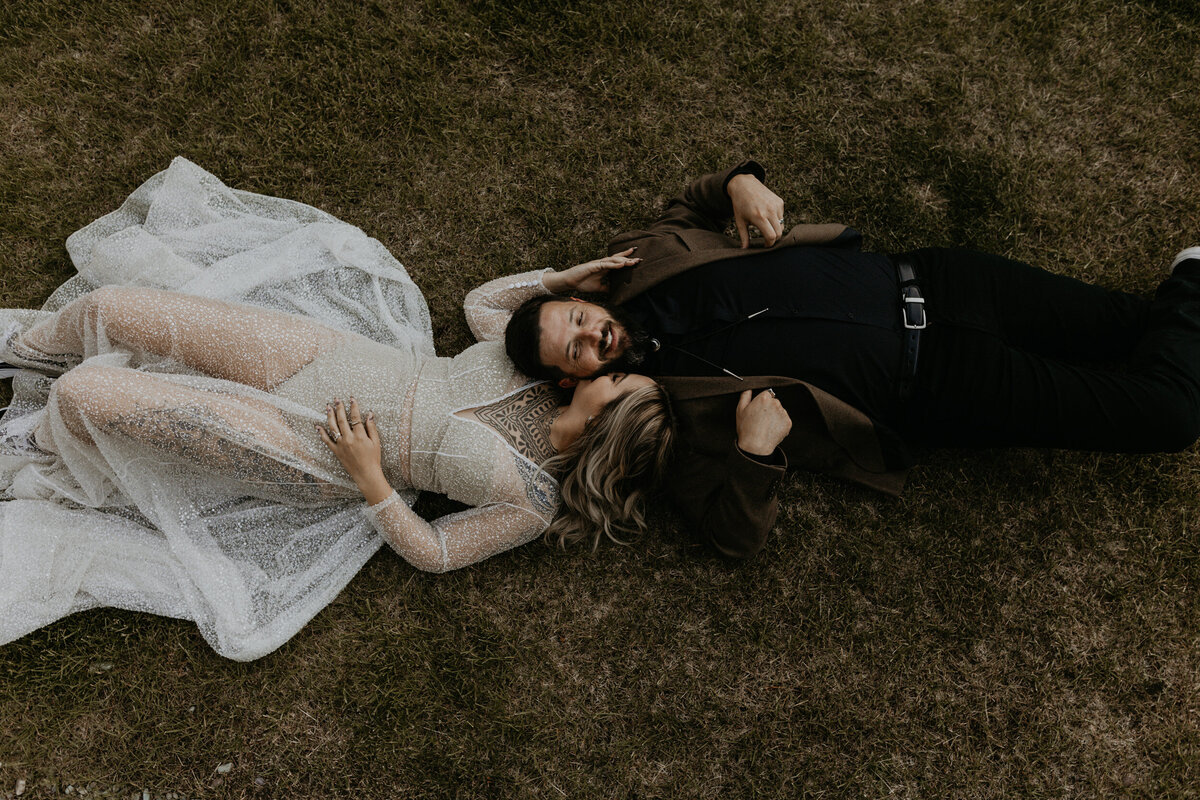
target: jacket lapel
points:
(665, 255)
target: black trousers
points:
(1017, 356)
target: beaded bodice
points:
(453, 452)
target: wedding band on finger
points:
(354, 422)
(781, 222)
(772, 391)
(336, 437)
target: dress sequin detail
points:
(160, 455)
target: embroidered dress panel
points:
(524, 419)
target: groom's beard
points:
(638, 343)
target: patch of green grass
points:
(1019, 624)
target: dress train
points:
(126, 526)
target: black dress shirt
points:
(826, 315)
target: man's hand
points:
(755, 204)
(762, 423)
(589, 277)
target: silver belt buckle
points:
(919, 303)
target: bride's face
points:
(593, 395)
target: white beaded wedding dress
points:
(160, 454)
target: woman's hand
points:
(355, 442)
(589, 277)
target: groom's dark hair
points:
(523, 338)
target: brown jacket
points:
(729, 497)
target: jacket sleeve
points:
(703, 204)
(729, 500)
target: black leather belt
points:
(912, 314)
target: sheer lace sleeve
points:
(455, 540)
(488, 307)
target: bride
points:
(198, 416)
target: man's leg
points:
(982, 384)
(1030, 308)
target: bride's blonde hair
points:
(605, 474)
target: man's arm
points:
(729, 503)
(754, 204)
(740, 194)
(703, 204)
(730, 496)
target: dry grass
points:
(1020, 624)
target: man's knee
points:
(1175, 429)
(1181, 439)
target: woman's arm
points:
(455, 540)
(447, 543)
(489, 307)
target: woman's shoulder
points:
(482, 352)
(492, 357)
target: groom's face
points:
(580, 339)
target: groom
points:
(803, 350)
